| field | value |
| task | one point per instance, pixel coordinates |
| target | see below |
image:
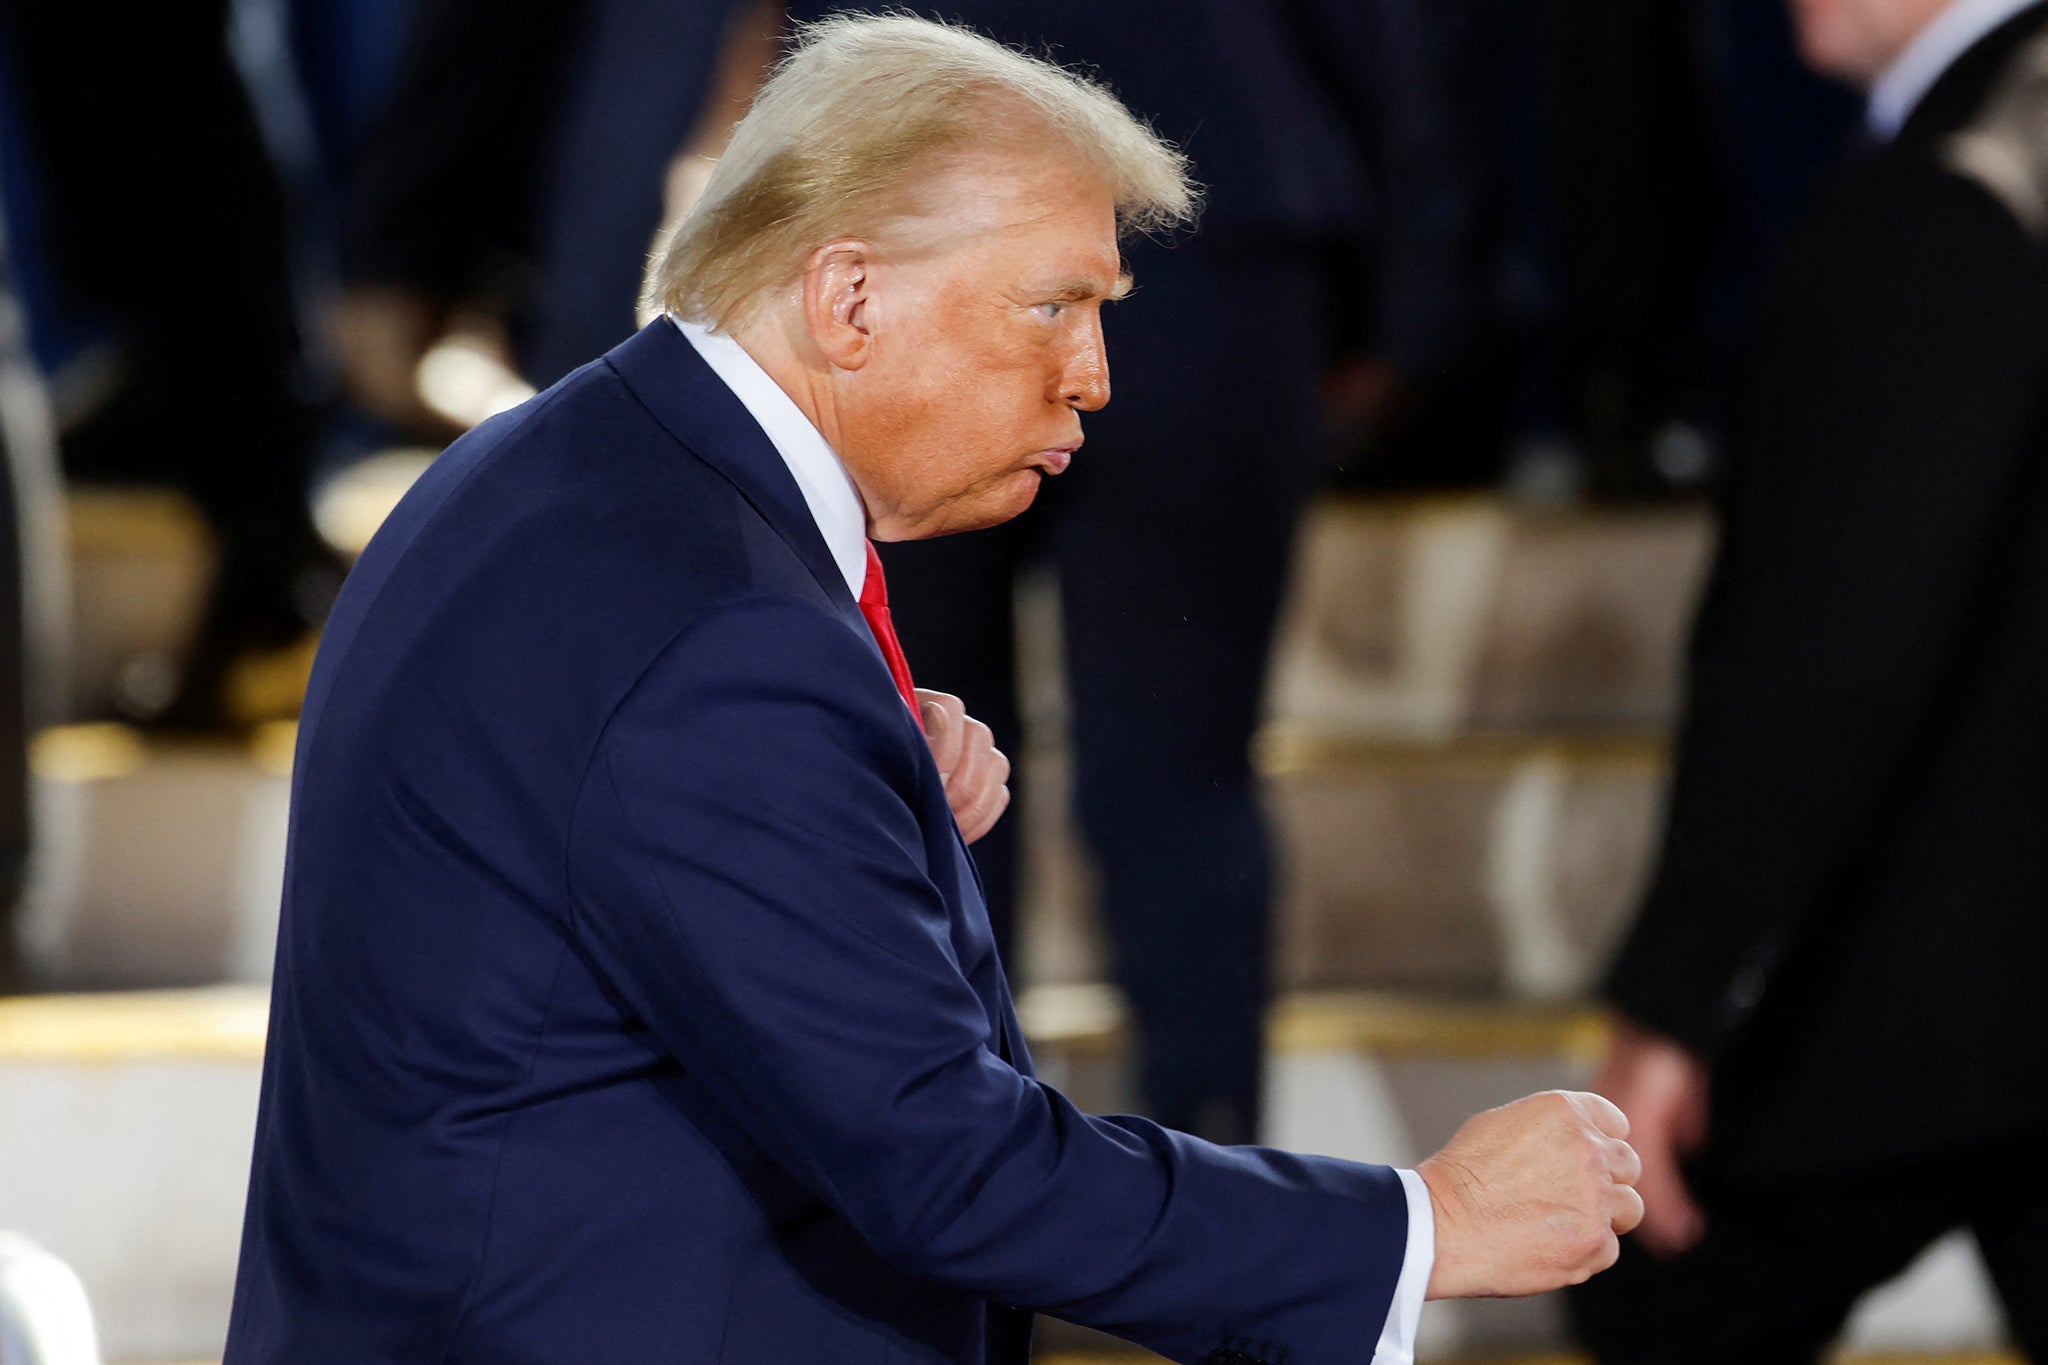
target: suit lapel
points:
(672, 382)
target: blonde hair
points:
(863, 107)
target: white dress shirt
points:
(827, 488)
(1898, 91)
(835, 505)
(1397, 1338)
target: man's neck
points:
(773, 349)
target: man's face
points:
(986, 318)
(1856, 40)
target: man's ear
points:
(837, 280)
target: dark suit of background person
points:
(444, 201)
(1847, 920)
(165, 228)
(519, 164)
(635, 1001)
(1172, 538)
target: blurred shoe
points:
(254, 650)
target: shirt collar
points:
(1933, 51)
(827, 488)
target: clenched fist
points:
(976, 772)
(1531, 1197)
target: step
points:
(134, 1168)
(1435, 616)
(141, 562)
(156, 862)
(1489, 864)
(126, 1153)
(1493, 864)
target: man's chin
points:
(979, 515)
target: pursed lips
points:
(1056, 460)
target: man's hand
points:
(1662, 1087)
(976, 772)
(1531, 1197)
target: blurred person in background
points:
(1646, 160)
(438, 213)
(512, 183)
(1833, 1002)
(163, 232)
(1634, 192)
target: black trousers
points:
(166, 224)
(1782, 1266)
(1171, 535)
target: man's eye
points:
(1052, 308)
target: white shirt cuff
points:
(1404, 1316)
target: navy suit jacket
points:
(635, 1001)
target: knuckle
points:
(1630, 1215)
(1594, 1237)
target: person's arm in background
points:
(1899, 389)
(441, 208)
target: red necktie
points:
(874, 604)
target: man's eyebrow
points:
(1078, 290)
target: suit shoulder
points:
(1907, 223)
(2004, 149)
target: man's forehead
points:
(988, 192)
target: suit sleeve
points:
(748, 869)
(1899, 400)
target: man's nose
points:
(1084, 379)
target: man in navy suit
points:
(1329, 134)
(636, 1001)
